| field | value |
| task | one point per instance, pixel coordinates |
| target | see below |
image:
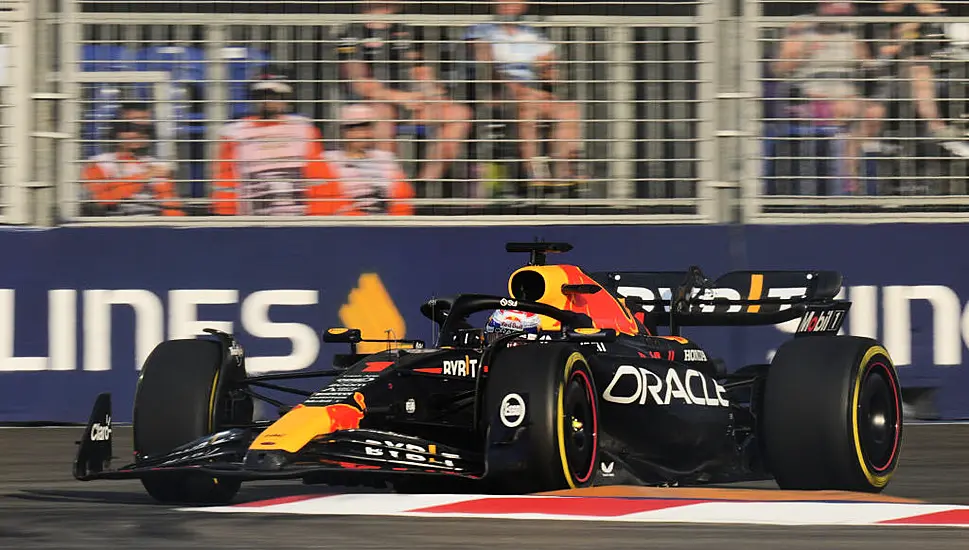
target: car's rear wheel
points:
(179, 399)
(832, 414)
(541, 403)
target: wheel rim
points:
(581, 425)
(879, 416)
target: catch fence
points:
(682, 117)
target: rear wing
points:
(737, 298)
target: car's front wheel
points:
(541, 399)
(179, 399)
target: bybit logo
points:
(370, 308)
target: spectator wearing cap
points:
(128, 181)
(381, 65)
(367, 180)
(270, 161)
(822, 61)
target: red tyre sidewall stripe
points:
(595, 422)
(898, 411)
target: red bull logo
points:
(300, 425)
(344, 416)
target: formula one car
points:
(596, 397)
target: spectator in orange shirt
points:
(368, 180)
(128, 181)
(271, 161)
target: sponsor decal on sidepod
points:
(649, 384)
(694, 355)
(461, 367)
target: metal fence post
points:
(749, 197)
(18, 79)
(732, 129)
(216, 40)
(69, 149)
(45, 97)
(623, 111)
(36, 156)
(709, 124)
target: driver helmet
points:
(507, 321)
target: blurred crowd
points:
(836, 94)
(273, 159)
(880, 76)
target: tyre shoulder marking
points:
(875, 480)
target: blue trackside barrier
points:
(81, 307)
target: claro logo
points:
(178, 311)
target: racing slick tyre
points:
(542, 410)
(832, 414)
(182, 396)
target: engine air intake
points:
(528, 285)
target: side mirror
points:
(341, 335)
(230, 344)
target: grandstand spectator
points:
(366, 180)
(524, 60)
(822, 62)
(271, 160)
(903, 48)
(375, 57)
(140, 115)
(128, 181)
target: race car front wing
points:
(354, 453)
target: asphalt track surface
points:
(42, 506)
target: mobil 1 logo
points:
(828, 321)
